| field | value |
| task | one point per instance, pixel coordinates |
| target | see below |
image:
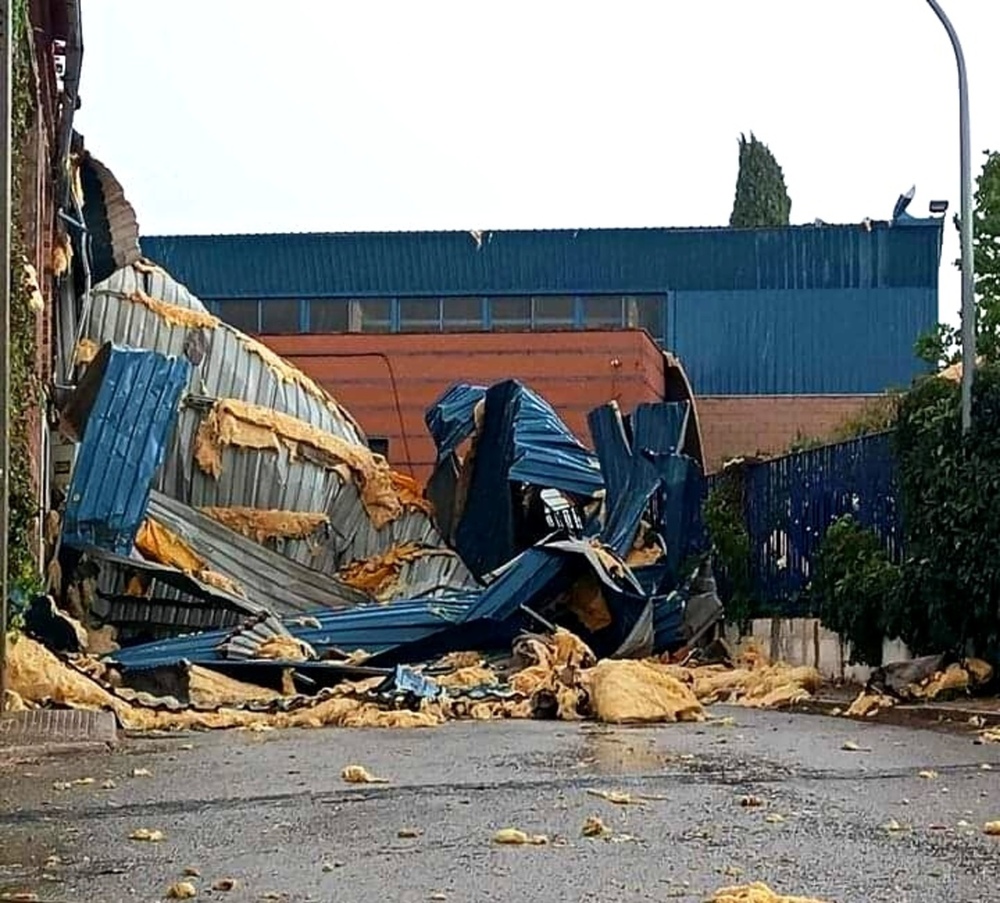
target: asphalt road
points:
(271, 811)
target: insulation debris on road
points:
(234, 554)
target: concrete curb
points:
(934, 714)
(46, 732)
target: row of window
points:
(518, 313)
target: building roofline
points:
(930, 222)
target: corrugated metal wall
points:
(559, 260)
(803, 342)
(804, 310)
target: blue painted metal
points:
(645, 470)
(790, 502)
(125, 437)
(374, 628)
(668, 621)
(559, 261)
(769, 342)
(451, 419)
(750, 311)
(522, 440)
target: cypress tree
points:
(761, 196)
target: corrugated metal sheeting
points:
(806, 342)
(562, 260)
(123, 412)
(228, 365)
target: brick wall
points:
(733, 425)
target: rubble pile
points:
(926, 679)
(548, 676)
(233, 554)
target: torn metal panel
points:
(123, 412)
(644, 470)
(668, 622)
(521, 441)
(539, 580)
(110, 218)
(660, 429)
(141, 618)
(377, 629)
(116, 570)
(230, 365)
(269, 579)
(452, 418)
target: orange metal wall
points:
(574, 371)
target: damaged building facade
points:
(213, 507)
(783, 332)
(206, 503)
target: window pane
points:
(649, 309)
(329, 315)
(419, 315)
(461, 314)
(278, 317)
(554, 310)
(602, 312)
(510, 314)
(240, 314)
(376, 314)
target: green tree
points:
(943, 344)
(761, 196)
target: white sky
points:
(330, 115)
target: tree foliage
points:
(942, 346)
(949, 486)
(761, 196)
(854, 585)
(725, 521)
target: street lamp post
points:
(965, 224)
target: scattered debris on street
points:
(517, 837)
(358, 774)
(236, 556)
(755, 893)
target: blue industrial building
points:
(804, 310)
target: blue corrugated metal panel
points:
(645, 469)
(816, 342)
(668, 622)
(522, 440)
(565, 261)
(374, 628)
(451, 418)
(790, 502)
(123, 445)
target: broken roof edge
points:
(677, 387)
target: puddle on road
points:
(612, 753)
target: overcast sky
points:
(313, 115)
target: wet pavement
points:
(271, 811)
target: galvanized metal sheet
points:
(229, 367)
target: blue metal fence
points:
(790, 502)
